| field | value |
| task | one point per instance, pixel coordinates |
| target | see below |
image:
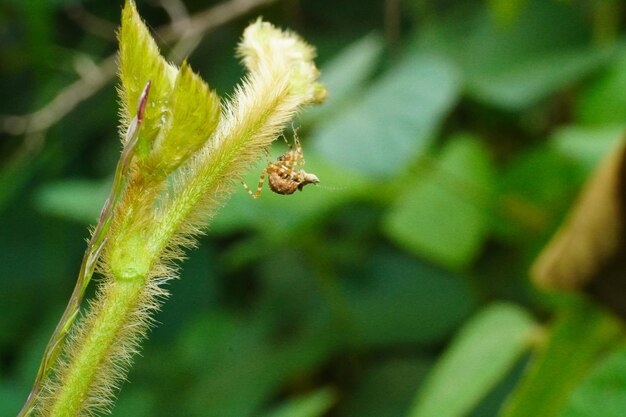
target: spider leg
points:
(299, 156)
(298, 175)
(256, 194)
(285, 169)
(291, 157)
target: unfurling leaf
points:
(191, 118)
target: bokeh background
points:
(456, 136)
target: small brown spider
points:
(282, 177)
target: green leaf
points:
(136, 403)
(402, 301)
(604, 386)
(238, 365)
(505, 12)
(604, 100)
(528, 82)
(315, 404)
(192, 116)
(394, 121)
(385, 388)
(479, 357)
(534, 190)
(516, 66)
(77, 200)
(140, 61)
(11, 398)
(578, 337)
(587, 145)
(346, 74)
(443, 215)
(181, 113)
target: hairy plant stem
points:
(133, 251)
(120, 298)
(90, 258)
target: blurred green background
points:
(455, 138)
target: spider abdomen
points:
(282, 184)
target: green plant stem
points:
(118, 302)
(88, 265)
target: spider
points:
(282, 177)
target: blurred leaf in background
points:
(444, 213)
(481, 355)
(395, 120)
